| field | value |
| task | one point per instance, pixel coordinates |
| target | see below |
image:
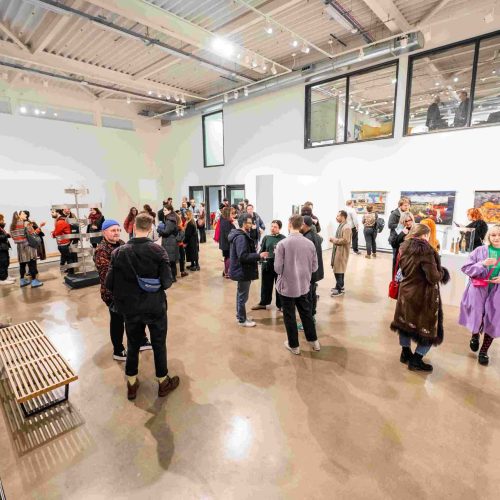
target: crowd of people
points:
(134, 275)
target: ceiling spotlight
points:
(269, 28)
(43, 111)
(494, 72)
(264, 67)
(361, 53)
(183, 99)
(150, 92)
(455, 79)
(295, 43)
(354, 30)
(222, 46)
(238, 55)
(177, 111)
(226, 98)
(37, 112)
(245, 91)
(23, 110)
(159, 95)
(274, 71)
(128, 100)
(176, 97)
(437, 84)
(254, 63)
(305, 49)
(55, 115)
(236, 94)
(394, 80)
(182, 111)
(167, 96)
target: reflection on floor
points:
(250, 420)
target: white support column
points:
(401, 97)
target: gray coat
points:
(168, 232)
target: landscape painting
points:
(489, 204)
(436, 205)
(363, 198)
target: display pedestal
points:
(451, 293)
(82, 280)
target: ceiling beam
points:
(160, 65)
(67, 65)
(389, 14)
(48, 30)
(432, 12)
(13, 37)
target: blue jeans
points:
(241, 299)
(405, 341)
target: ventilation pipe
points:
(390, 48)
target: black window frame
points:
(476, 42)
(221, 111)
(347, 77)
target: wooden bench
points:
(34, 367)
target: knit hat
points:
(108, 223)
(308, 220)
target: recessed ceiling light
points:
(295, 43)
(274, 71)
(455, 79)
(236, 94)
(223, 46)
(37, 111)
(226, 98)
(128, 100)
(23, 110)
(245, 91)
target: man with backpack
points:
(138, 277)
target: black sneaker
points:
(417, 365)
(483, 359)
(146, 346)
(120, 356)
(474, 343)
(337, 293)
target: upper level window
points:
(213, 139)
(440, 90)
(356, 107)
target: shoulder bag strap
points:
(493, 268)
(396, 267)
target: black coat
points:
(481, 229)
(99, 222)
(149, 260)
(225, 228)
(243, 257)
(4, 241)
(393, 224)
(434, 120)
(316, 240)
(168, 231)
(192, 242)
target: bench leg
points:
(40, 409)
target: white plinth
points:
(451, 294)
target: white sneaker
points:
(248, 323)
(294, 350)
(315, 345)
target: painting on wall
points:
(363, 198)
(436, 205)
(489, 204)
(296, 209)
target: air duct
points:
(376, 52)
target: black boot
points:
(406, 355)
(474, 343)
(417, 365)
(483, 359)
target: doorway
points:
(198, 193)
(213, 198)
(235, 193)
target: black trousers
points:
(313, 297)
(339, 278)
(268, 277)
(355, 240)
(371, 240)
(4, 265)
(173, 269)
(395, 252)
(67, 257)
(303, 305)
(182, 259)
(116, 330)
(31, 266)
(203, 234)
(135, 326)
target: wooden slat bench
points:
(33, 366)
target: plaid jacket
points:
(102, 259)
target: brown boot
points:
(168, 385)
(132, 390)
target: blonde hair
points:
(417, 231)
(487, 238)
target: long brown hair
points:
(15, 219)
(417, 231)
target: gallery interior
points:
(352, 105)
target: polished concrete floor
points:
(250, 420)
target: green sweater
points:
(269, 243)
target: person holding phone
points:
(480, 306)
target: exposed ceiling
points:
(164, 53)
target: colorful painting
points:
(436, 205)
(363, 198)
(489, 204)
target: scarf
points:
(94, 217)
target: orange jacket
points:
(61, 227)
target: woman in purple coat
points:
(480, 307)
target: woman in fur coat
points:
(419, 313)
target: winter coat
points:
(243, 257)
(392, 224)
(98, 222)
(317, 240)
(308, 211)
(4, 240)
(149, 261)
(226, 226)
(480, 307)
(481, 229)
(61, 227)
(128, 225)
(168, 231)
(340, 252)
(192, 242)
(259, 223)
(419, 312)
(102, 259)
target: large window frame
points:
(347, 77)
(477, 44)
(221, 112)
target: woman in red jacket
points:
(62, 228)
(128, 225)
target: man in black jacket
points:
(395, 225)
(462, 112)
(243, 265)
(407, 222)
(320, 273)
(141, 258)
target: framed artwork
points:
(436, 205)
(363, 198)
(489, 204)
(296, 209)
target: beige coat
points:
(343, 248)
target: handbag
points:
(34, 241)
(149, 285)
(394, 284)
(479, 282)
